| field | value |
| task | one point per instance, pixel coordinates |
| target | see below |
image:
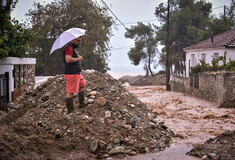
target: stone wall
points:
(21, 75)
(24, 75)
(218, 87)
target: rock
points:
(213, 156)
(90, 71)
(204, 157)
(150, 116)
(92, 97)
(108, 114)
(128, 126)
(228, 133)
(131, 142)
(102, 144)
(93, 93)
(109, 146)
(132, 105)
(90, 101)
(40, 123)
(118, 149)
(163, 126)
(101, 101)
(94, 145)
(113, 89)
(116, 141)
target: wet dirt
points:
(193, 120)
(115, 123)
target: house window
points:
(193, 60)
(204, 57)
(216, 55)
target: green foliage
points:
(49, 21)
(223, 22)
(145, 49)
(199, 68)
(231, 65)
(13, 36)
(190, 22)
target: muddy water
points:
(192, 119)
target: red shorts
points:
(74, 82)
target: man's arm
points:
(69, 54)
(70, 59)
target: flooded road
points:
(192, 119)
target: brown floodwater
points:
(193, 120)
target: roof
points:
(226, 39)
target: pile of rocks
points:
(114, 124)
(140, 80)
(221, 147)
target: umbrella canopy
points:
(67, 36)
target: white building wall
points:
(230, 54)
(209, 56)
(7, 65)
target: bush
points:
(199, 68)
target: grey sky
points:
(127, 11)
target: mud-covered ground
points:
(193, 120)
(115, 124)
(141, 80)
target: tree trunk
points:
(146, 69)
(150, 69)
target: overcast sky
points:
(127, 11)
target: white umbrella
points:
(67, 36)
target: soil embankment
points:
(140, 80)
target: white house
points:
(213, 47)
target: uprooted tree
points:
(49, 21)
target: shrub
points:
(202, 67)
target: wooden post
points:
(167, 50)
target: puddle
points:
(175, 152)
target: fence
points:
(218, 87)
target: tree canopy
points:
(49, 21)
(13, 35)
(191, 21)
(145, 46)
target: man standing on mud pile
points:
(75, 83)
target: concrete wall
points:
(21, 72)
(218, 87)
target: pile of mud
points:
(114, 124)
(140, 80)
(221, 147)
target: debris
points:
(216, 148)
(114, 124)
